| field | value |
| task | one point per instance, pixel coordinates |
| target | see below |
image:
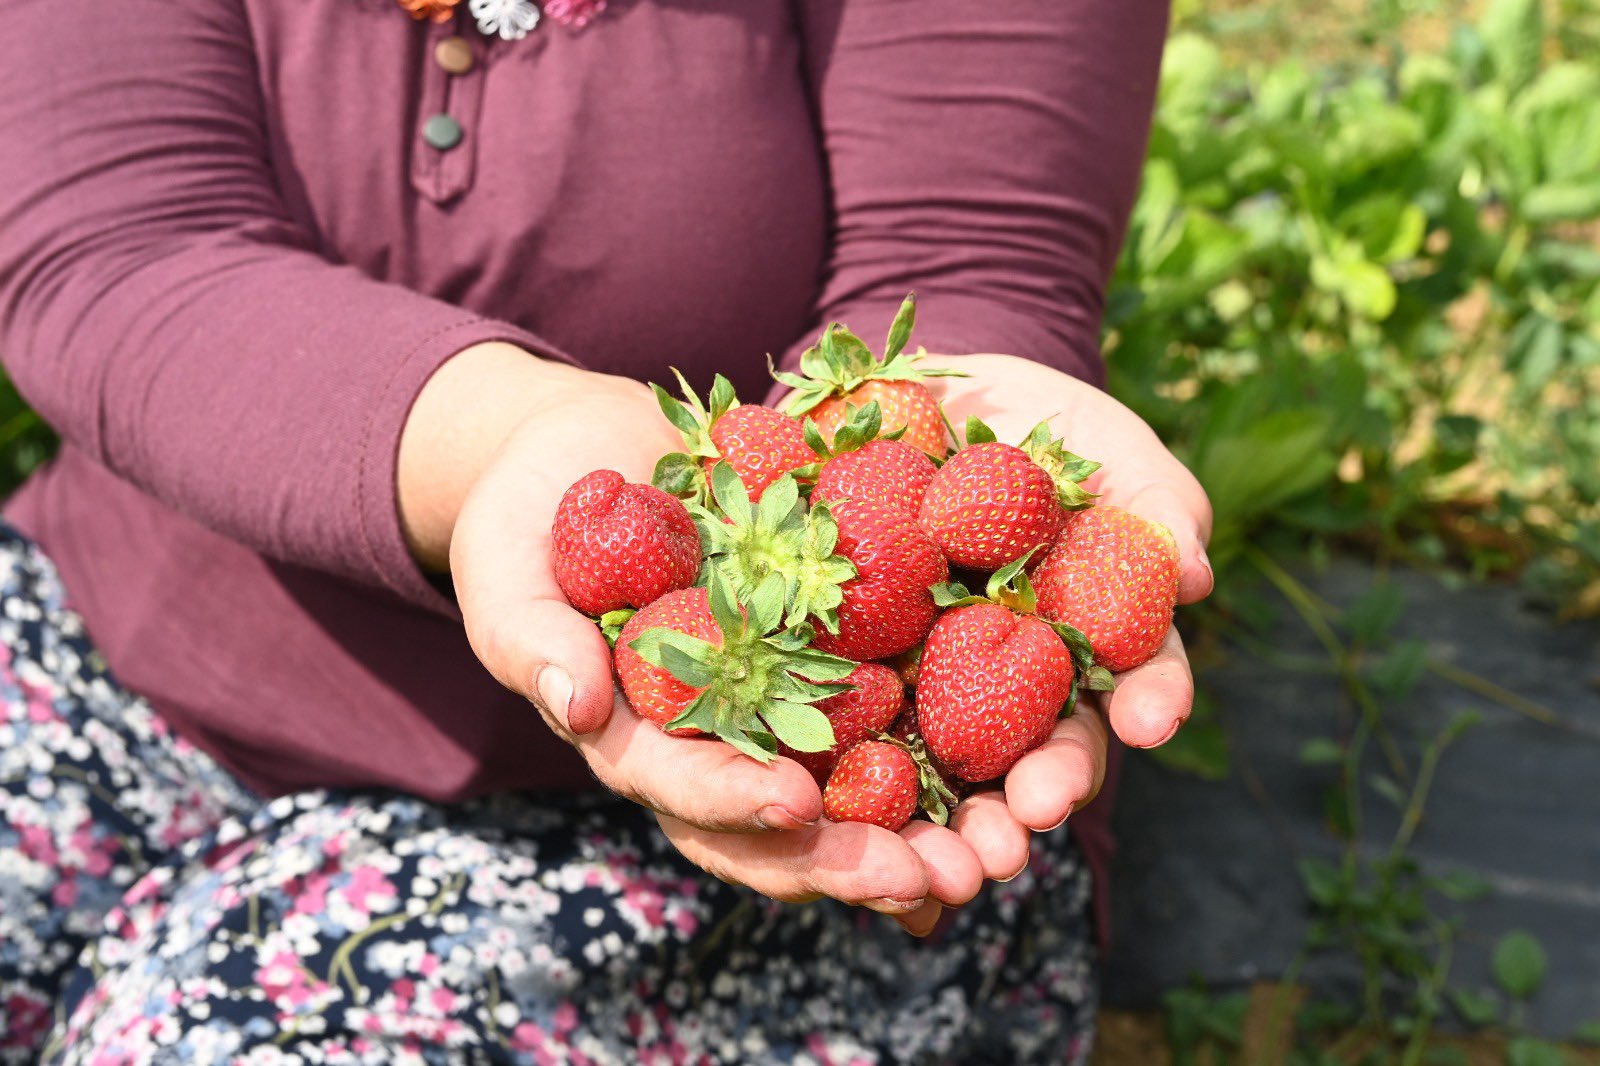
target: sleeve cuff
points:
(383, 539)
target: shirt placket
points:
(446, 136)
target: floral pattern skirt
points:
(154, 910)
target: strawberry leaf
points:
(684, 657)
(819, 665)
(730, 494)
(1099, 679)
(766, 605)
(611, 624)
(900, 328)
(802, 727)
(977, 432)
(723, 398)
(701, 715)
(815, 438)
(954, 594)
(679, 475)
(758, 744)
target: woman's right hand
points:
(746, 823)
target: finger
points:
(921, 921)
(954, 873)
(1151, 701)
(546, 652)
(1000, 842)
(1178, 502)
(859, 864)
(701, 781)
(1062, 774)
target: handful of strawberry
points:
(755, 592)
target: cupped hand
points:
(1151, 701)
(744, 822)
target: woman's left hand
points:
(1151, 701)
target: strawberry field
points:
(1360, 297)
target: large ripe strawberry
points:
(618, 545)
(883, 783)
(1114, 576)
(839, 373)
(995, 677)
(760, 444)
(887, 607)
(993, 503)
(860, 714)
(890, 472)
(695, 662)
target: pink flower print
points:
(527, 1037)
(565, 1017)
(65, 894)
(574, 13)
(39, 845)
(367, 886)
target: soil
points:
(1139, 1038)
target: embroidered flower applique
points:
(574, 13)
(510, 20)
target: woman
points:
(329, 304)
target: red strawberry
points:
(759, 443)
(906, 405)
(840, 372)
(992, 685)
(887, 606)
(1114, 576)
(652, 691)
(619, 545)
(856, 716)
(992, 503)
(875, 782)
(697, 662)
(890, 472)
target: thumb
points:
(546, 652)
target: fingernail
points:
(1059, 824)
(1177, 725)
(555, 690)
(1024, 869)
(920, 927)
(773, 816)
(885, 905)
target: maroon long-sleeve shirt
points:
(230, 258)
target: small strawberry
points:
(993, 503)
(1114, 576)
(618, 545)
(995, 677)
(861, 466)
(869, 709)
(888, 606)
(840, 372)
(760, 443)
(883, 782)
(694, 662)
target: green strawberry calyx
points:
(779, 537)
(759, 685)
(682, 474)
(840, 362)
(934, 797)
(1067, 470)
(862, 425)
(611, 623)
(1009, 586)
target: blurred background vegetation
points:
(1361, 298)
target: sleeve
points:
(985, 155)
(162, 311)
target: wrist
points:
(462, 416)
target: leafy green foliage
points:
(1363, 300)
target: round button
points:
(454, 54)
(442, 132)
